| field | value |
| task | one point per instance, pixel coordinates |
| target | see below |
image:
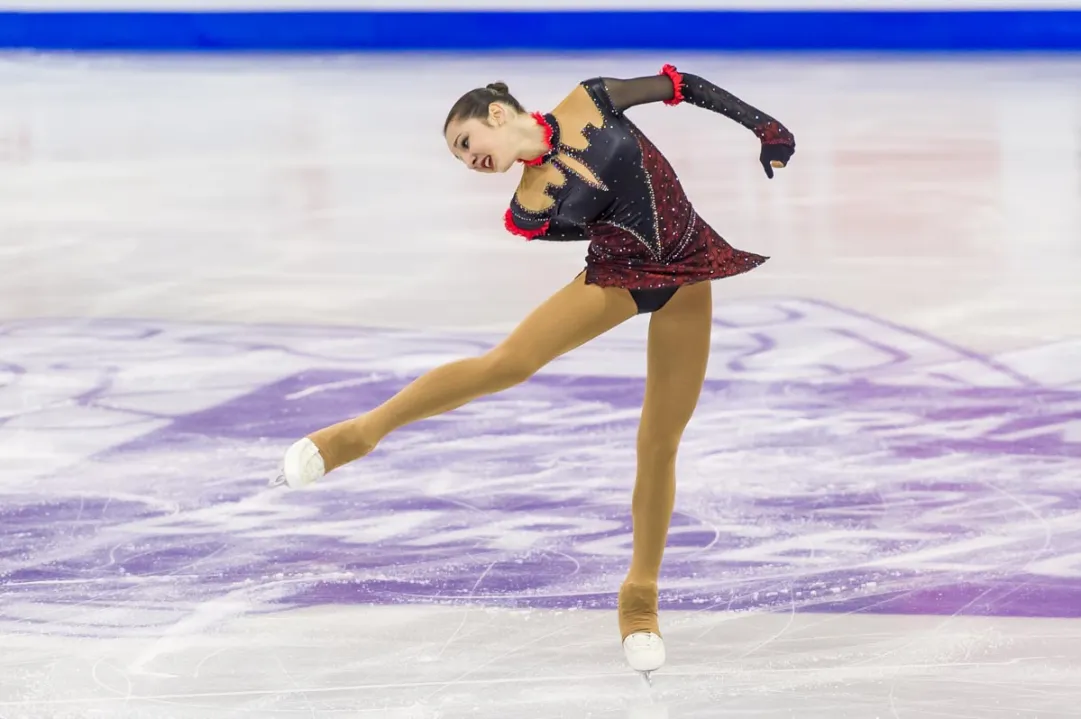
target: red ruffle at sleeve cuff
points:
(677, 84)
(508, 222)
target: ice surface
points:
(204, 259)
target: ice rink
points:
(203, 259)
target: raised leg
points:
(571, 317)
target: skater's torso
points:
(601, 175)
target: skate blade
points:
(278, 481)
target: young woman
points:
(590, 174)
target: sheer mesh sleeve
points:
(638, 91)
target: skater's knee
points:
(659, 444)
(506, 366)
(657, 453)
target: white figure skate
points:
(644, 652)
(302, 466)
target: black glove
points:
(778, 146)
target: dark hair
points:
(475, 103)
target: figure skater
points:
(590, 174)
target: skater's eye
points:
(465, 143)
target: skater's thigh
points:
(568, 319)
(677, 356)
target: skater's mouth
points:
(486, 163)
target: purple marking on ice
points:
(846, 491)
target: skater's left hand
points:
(778, 146)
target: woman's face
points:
(484, 146)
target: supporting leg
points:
(678, 352)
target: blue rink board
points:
(292, 31)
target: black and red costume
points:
(602, 180)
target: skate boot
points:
(302, 465)
(642, 643)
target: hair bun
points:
(499, 87)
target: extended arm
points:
(672, 87)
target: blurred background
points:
(226, 224)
